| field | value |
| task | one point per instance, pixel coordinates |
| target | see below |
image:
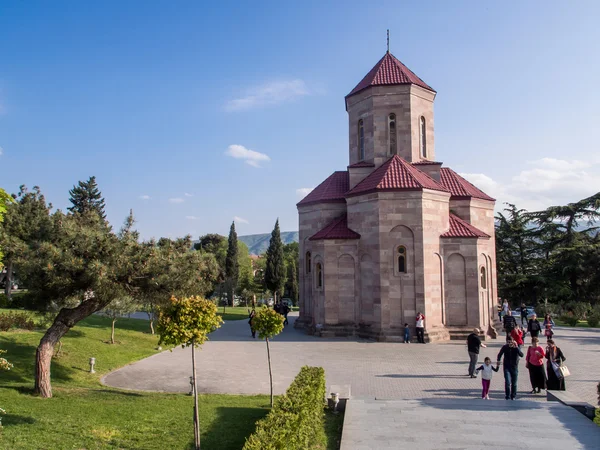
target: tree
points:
(232, 268)
(275, 268)
(187, 322)
(292, 283)
(268, 324)
(27, 220)
(86, 197)
(5, 200)
(118, 308)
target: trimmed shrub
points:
(296, 421)
(569, 319)
(593, 317)
(3, 301)
(15, 320)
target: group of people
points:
(279, 307)
(511, 353)
(419, 328)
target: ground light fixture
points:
(92, 364)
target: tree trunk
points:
(112, 332)
(9, 283)
(270, 373)
(196, 414)
(152, 326)
(65, 320)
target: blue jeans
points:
(407, 336)
(511, 375)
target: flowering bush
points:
(4, 365)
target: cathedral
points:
(396, 233)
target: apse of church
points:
(396, 233)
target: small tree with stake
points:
(187, 322)
(268, 323)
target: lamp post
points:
(92, 364)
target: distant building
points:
(396, 233)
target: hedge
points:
(296, 421)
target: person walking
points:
(473, 345)
(511, 354)
(285, 310)
(548, 326)
(523, 310)
(420, 327)
(250, 317)
(509, 323)
(505, 308)
(517, 335)
(554, 359)
(534, 327)
(534, 361)
(486, 377)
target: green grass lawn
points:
(233, 312)
(84, 414)
(580, 323)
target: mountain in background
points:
(258, 243)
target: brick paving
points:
(233, 363)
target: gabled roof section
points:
(396, 175)
(338, 229)
(425, 162)
(332, 190)
(462, 229)
(459, 187)
(389, 71)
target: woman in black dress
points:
(554, 354)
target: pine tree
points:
(293, 277)
(232, 268)
(275, 270)
(86, 197)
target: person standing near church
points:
(534, 327)
(524, 311)
(509, 323)
(511, 354)
(473, 345)
(420, 326)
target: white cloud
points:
(303, 192)
(192, 218)
(188, 195)
(1, 151)
(545, 183)
(251, 157)
(240, 220)
(145, 197)
(176, 200)
(269, 94)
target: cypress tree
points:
(232, 268)
(294, 282)
(86, 197)
(275, 269)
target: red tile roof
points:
(338, 229)
(396, 175)
(459, 187)
(459, 228)
(389, 71)
(331, 190)
(361, 164)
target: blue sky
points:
(151, 96)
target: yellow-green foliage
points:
(187, 320)
(267, 323)
(296, 422)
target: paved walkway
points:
(232, 362)
(465, 424)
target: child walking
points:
(486, 377)
(406, 334)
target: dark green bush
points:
(569, 319)
(15, 320)
(3, 301)
(296, 421)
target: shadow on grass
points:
(230, 428)
(15, 419)
(123, 323)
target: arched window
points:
(308, 262)
(319, 271)
(361, 140)
(401, 259)
(483, 278)
(423, 137)
(392, 133)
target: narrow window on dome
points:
(392, 133)
(361, 140)
(308, 262)
(423, 137)
(401, 259)
(483, 279)
(319, 270)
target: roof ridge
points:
(460, 187)
(462, 228)
(336, 229)
(331, 190)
